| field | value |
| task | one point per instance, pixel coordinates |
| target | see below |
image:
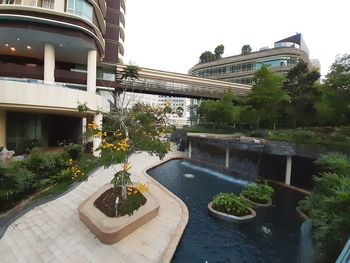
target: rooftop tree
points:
(219, 51)
(246, 49)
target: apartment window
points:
(8, 2)
(80, 8)
(46, 4)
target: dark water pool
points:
(273, 236)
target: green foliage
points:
(246, 49)
(46, 165)
(259, 133)
(145, 124)
(334, 106)
(130, 73)
(14, 179)
(260, 193)
(131, 203)
(334, 162)
(222, 112)
(267, 96)
(82, 107)
(219, 50)
(74, 151)
(300, 86)
(121, 178)
(207, 56)
(232, 204)
(329, 207)
(63, 176)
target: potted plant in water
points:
(231, 207)
(258, 194)
(124, 131)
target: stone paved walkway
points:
(53, 232)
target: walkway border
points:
(177, 234)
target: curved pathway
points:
(53, 232)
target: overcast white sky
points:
(170, 35)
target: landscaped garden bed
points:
(231, 207)
(42, 174)
(258, 194)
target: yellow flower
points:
(92, 126)
(126, 167)
(142, 188)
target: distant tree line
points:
(296, 100)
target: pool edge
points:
(175, 238)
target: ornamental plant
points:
(328, 206)
(232, 204)
(260, 193)
(127, 131)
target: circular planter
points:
(257, 204)
(229, 217)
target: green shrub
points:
(232, 204)
(74, 151)
(131, 204)
(259, 133)
(303, 135)
(329, 207)
(46, 165)
(260, 193)
(63, 176)
(14, 180)
(334, 162)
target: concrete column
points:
(91, 70)
(189, 150)
(2, 128)
(227, 160)
(288, 170)
(49, 64)
(97, 141)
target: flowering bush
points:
(126, 131)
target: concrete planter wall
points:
(111, 230)
(229, 217)
(257, 204)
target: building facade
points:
(55, 54)
(285, 54)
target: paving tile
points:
(53, 232)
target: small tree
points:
(207, 56)
(336, 93)
(221, 112)
(300, 86)
(267, 96)
(219, 51)
(246, 49)
(129, 131)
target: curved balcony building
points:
(241, 68)
(53, 54)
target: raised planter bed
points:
(257, 204)
(229, 217)
(110, 230)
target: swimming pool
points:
(273, 236)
